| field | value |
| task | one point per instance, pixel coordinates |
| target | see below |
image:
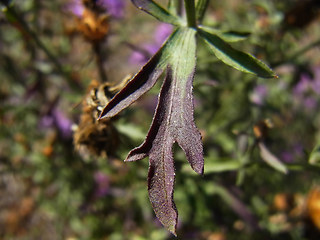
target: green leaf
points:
(235, 58)
(228, 36)
(157, 11)
(271, 160)
(222, 165)
(314, 157)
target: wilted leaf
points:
(270, 159)
(157, 11)
(235, 58)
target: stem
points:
(175, 7)
(99, 61)
(201, 9)
(191, 13)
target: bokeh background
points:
(62, 174)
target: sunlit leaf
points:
(157, 11)
(235, 58)
(270, 159)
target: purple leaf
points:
(173, 122)
(136, 87)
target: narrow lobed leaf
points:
(271, 160)
(173, 122)
(235, 58)
(142, 82)
(157, 11)
(228, 36)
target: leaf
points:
(142, 82)
(314, 157)
(235, 58)
(173, 122)
(157, 11)
(228, 36)
(222, 166)
(271, 160)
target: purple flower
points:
(306, 89)
(259, 94)
(102, 184)
(316, 80)
(114, 7)
(63, 123)
(143, 55)
(288, 156)
(140, 56)
(56, 118)
(75, 7)
(162, 32)
(303, 85)
(310, 103)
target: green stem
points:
(191, 13)
(201, 7)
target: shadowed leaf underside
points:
(173, 120)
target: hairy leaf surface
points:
(173, 120)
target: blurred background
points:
(62, 174)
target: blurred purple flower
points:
(114, 7)
(142, 55)
(75, 7)
(306, 90)
(288, 156)
(310, 103)
(259, 94)
(102, 184)
(161, 33)
(56, 118)
(303, 85)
